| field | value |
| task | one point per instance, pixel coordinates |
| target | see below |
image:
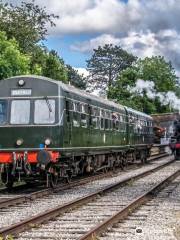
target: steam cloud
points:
(149, 87)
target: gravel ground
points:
(159, 219)
(16, 213)
(75, 223)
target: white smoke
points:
(149, 88)
(171, 99)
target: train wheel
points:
(121, 165)
(143, 157)
(68, 179)
(10, 183)
(53, 180)
(8, 179)
(52, 176)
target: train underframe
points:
(51, 168)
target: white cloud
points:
(88, 46)
(82, 71)
(94, 16)
(143, 27)
(141, 44)
(112, 16)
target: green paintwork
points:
(64, 134)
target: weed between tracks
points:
(9, 237)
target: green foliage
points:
(75, 78)
(12, 61)
(27, 23)
(38, 60)
(54, 67)
(154, 69)
(159, 71)
(106, 63)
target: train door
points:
(67, 123)
(128, 128)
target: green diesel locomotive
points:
(50, 130)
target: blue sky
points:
(142, 27)
(62, 46)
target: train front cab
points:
(29, 127)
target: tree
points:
(106, 63)
(159, 71)
(54, 67)
(75, 78)
(27, 23)
(12, 61)
(145, 86)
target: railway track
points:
(155, 215)
(114, 226)
(155, 218)
(82, 199)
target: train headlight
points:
(21, 82)
(19, 142)
(47, 141)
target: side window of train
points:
(76, 119)
(3, 112)
(138, 126)
(130, 119)
(83, 120)
(84, 114)
(95, 122)
(94, 117)
(75, 107)
(115, 121)
(147, 126)
(89, 110)
(102, 113)
(142, 126)
(121, 123)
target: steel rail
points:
(54, 212)
(44, 192)
(127, 210)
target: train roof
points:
(70, 88)
(138, 113)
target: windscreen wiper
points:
(48, 104)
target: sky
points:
(142, 27)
